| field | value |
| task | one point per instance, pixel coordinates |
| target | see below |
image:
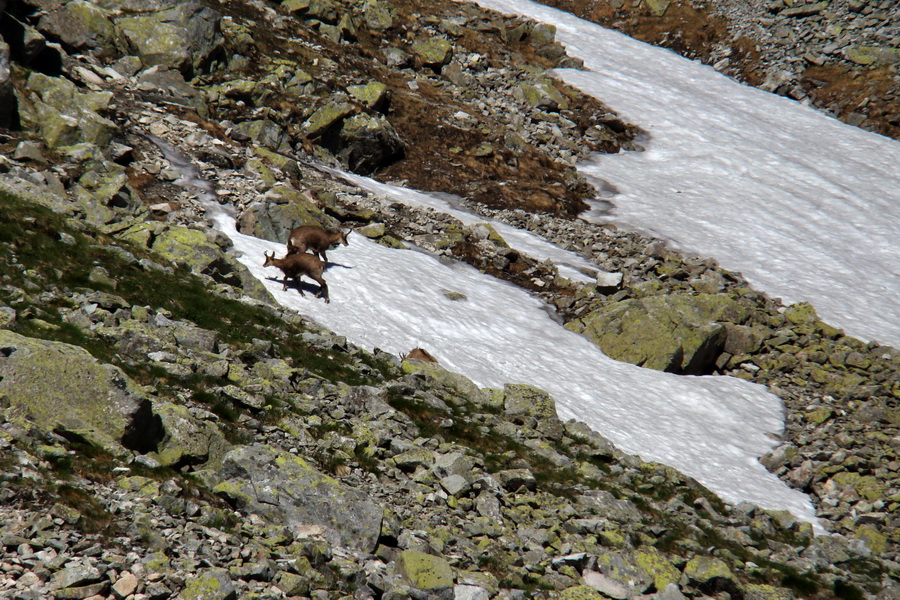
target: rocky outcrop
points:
(675, 333)
(286, 491)
(61, 388)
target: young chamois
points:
(315, 239)
(296, 265)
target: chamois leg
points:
(323, 288)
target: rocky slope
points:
(169, 432)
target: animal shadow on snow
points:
(305, 284)
(310, 287)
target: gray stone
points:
(81, 26)
(61, 387)
(284, 489)
(367, 143)
(75, 576)
(185, 37)
(63, 115)
(211, 584)
(674, 332)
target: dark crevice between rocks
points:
(145, 431)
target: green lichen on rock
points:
(59, 387)
(62, 114)
(523, 399)
(658, 7)
(867, 486)
(265, 133)
(185, 37)
(433, 51)
(371, 95)
(326, 116)
(542, 94)
(876, 541)
(580, 592)
(212, 584)
(872, 55)
(82, 25)
(676, 332)
(321, 10)
(658, 567)
(425, 571)
(281, 209)
(803, 316)
(268, 482)
(189, 247)
(703, 569)
(187, 439)
(438, 376)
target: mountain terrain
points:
(170, 431)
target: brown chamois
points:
(296, 265)
(419, 354)
(315, 239)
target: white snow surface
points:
(805, 207)
(710, 428)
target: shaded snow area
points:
(805, 207)
(710, 428)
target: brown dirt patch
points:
(855, 94)
(441, 155)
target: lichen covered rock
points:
(60, 387)
(285, 489)
(677, 333)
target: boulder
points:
(263, 132)
(285, 489)
(676, 333)
(541, 94)
(368, 143)
(424, 571)
(658, 7)
(170, 84)
(62, 388)
(326, 11)
(81, 26)
(278, 211)
(8, 110)
(185, 37)
(190, 247)
(434, 52)
(371, 95)
(62, 115)
(210, 584)
(325, 117)
(188, 440)
(377, 16)
(711, 575)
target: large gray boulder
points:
(59, 387)
(62, 114)
(281, 209)
(678, 333)
(285, 489)
(186, 37)
(368, 142)
(187, 440)
(81, 26)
